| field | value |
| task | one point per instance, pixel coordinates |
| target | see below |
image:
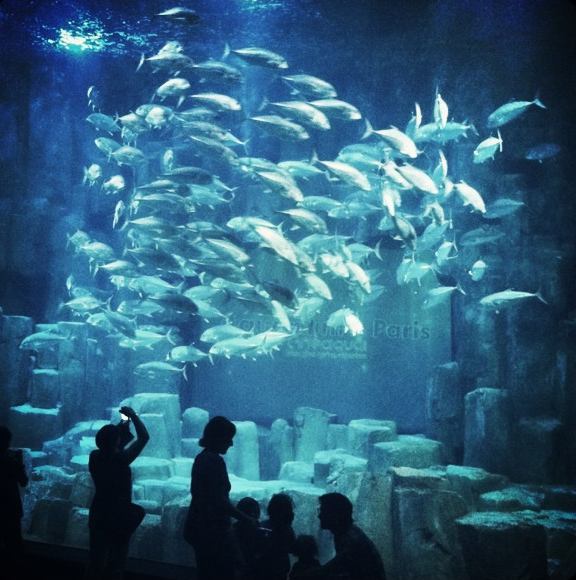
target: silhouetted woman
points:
(208, 524)
(113, 517)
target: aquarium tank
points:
(348, 226)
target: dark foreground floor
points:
(48, 562)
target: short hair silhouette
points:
(280, 507)
(249, 506)
(338, 506)
(217, 429)
(107, 437)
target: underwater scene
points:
(347, 226)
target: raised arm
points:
(142, 436)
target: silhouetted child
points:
(275, 562)
(12, 476)
(250, 536)
(306, 550)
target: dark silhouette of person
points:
(12, 477)
(113, 517)
(356, 555)
(250, 537)
(275, 561)
(306, 552)
(208, 523)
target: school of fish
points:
(225, 213)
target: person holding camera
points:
(113, 517)
(12, 477)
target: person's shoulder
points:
(357, 534)
(209, 458)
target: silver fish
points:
(217, 101)
(259, 57)
(480, 236)
(347, 320)
(303, 113)
(180, 14)
(503, 207)
(487, 149)
(337, 109)
(508, 297)
(477, 270)
(440, 295)
(186, 354)
(281, 128)
(103, 122)
(128, 155)
(347, 174)
(511, 111)
(310, 86)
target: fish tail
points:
(499, 140)
(541, 298)
(141, 62)
(169, 336)
(227, 51)
(377, 250)
(539, 103)
(368, 129)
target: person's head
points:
(111, 437)
(108, 438)
(335, 511)
(218, 435)
(305, 547)
(5, 438)
(280, 509)
(250, 507)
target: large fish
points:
(259, 57)
(347, 320)
(487, 149)
(397, 140)
(310, 86)
(281, 127)
(470, 196)
(347, 174)
(180, 14)
(506, 298)
(511, 111)
(303, 113)
(277, 242)
(337, 109)
(217, 101)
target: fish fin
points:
(169, 336)
(538, 102)
(541, 298)
(184, 373)
(368, 129)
